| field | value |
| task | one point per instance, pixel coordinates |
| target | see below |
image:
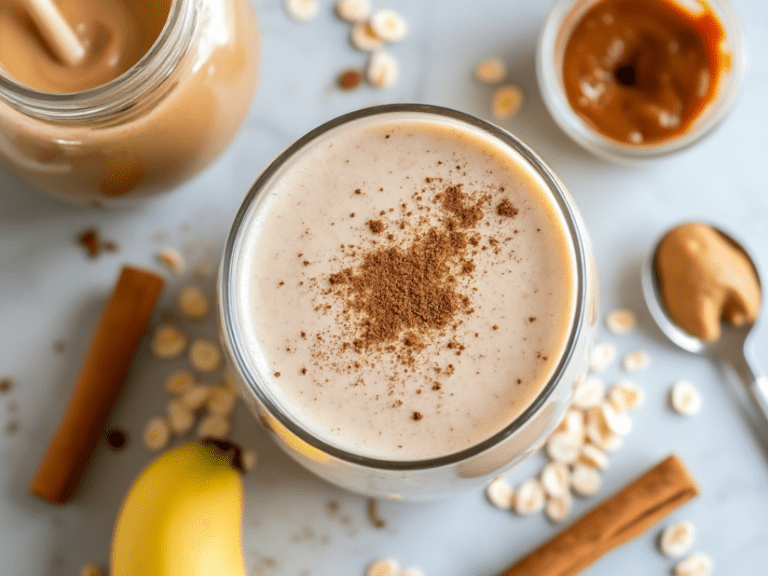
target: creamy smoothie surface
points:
(405, 287)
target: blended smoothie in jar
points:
(161, 90)
(113, 34)
(405, 287)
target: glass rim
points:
(565, 12)
(117, 95)
(234, 346)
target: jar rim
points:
(235, 349)
(552, 39)
(119, 94)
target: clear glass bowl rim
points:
(226, 288)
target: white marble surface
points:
(49, 290)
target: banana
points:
(183, 515)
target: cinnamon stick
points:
(123, 323)
(622, 517)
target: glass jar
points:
(151, 128)
(557, 30)
(430, 477)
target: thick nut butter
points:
(704, 277)
(641, 71)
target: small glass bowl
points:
(562, 19)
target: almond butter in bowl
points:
(631, 80)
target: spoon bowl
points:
(732, 338)
(653, 300)
(733, 346)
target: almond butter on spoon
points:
(693, 279)
(704, 277)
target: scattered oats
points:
(193, 303)
(626, 395)
(411, 572)
(558, 508)
(685, 398)
(388, 25)
(301, 10)
(249, 460)
(563, 448)
(636, 361)
(92, 570)
(204, 356)
(591, 455)
(598, 432)
(195, 397)
(616, 422)
(602, 356)
(611, 442)
(364, 38)
(157, 433)
(382, 69)
(180, 417)
(491, 71)
(353, 10)
(172, 259)
(500, 493)
(215, 426)
(168, 342)
(621, 321)
(556, 479)
(529, 497)
(696, 564)
(507, 100)
(179, 382)
(590, 392)
(676, 539)
(573, 423)
(585, 480)
(220, 401)
(383, 567)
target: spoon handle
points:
(755, 381)
(759, 390)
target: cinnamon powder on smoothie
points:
(406, 293)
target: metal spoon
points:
(733, 346)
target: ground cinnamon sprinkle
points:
(395, 289)
(456, 202)
(376, 226)
(506, 208)
(396, 297)
(402, 293)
